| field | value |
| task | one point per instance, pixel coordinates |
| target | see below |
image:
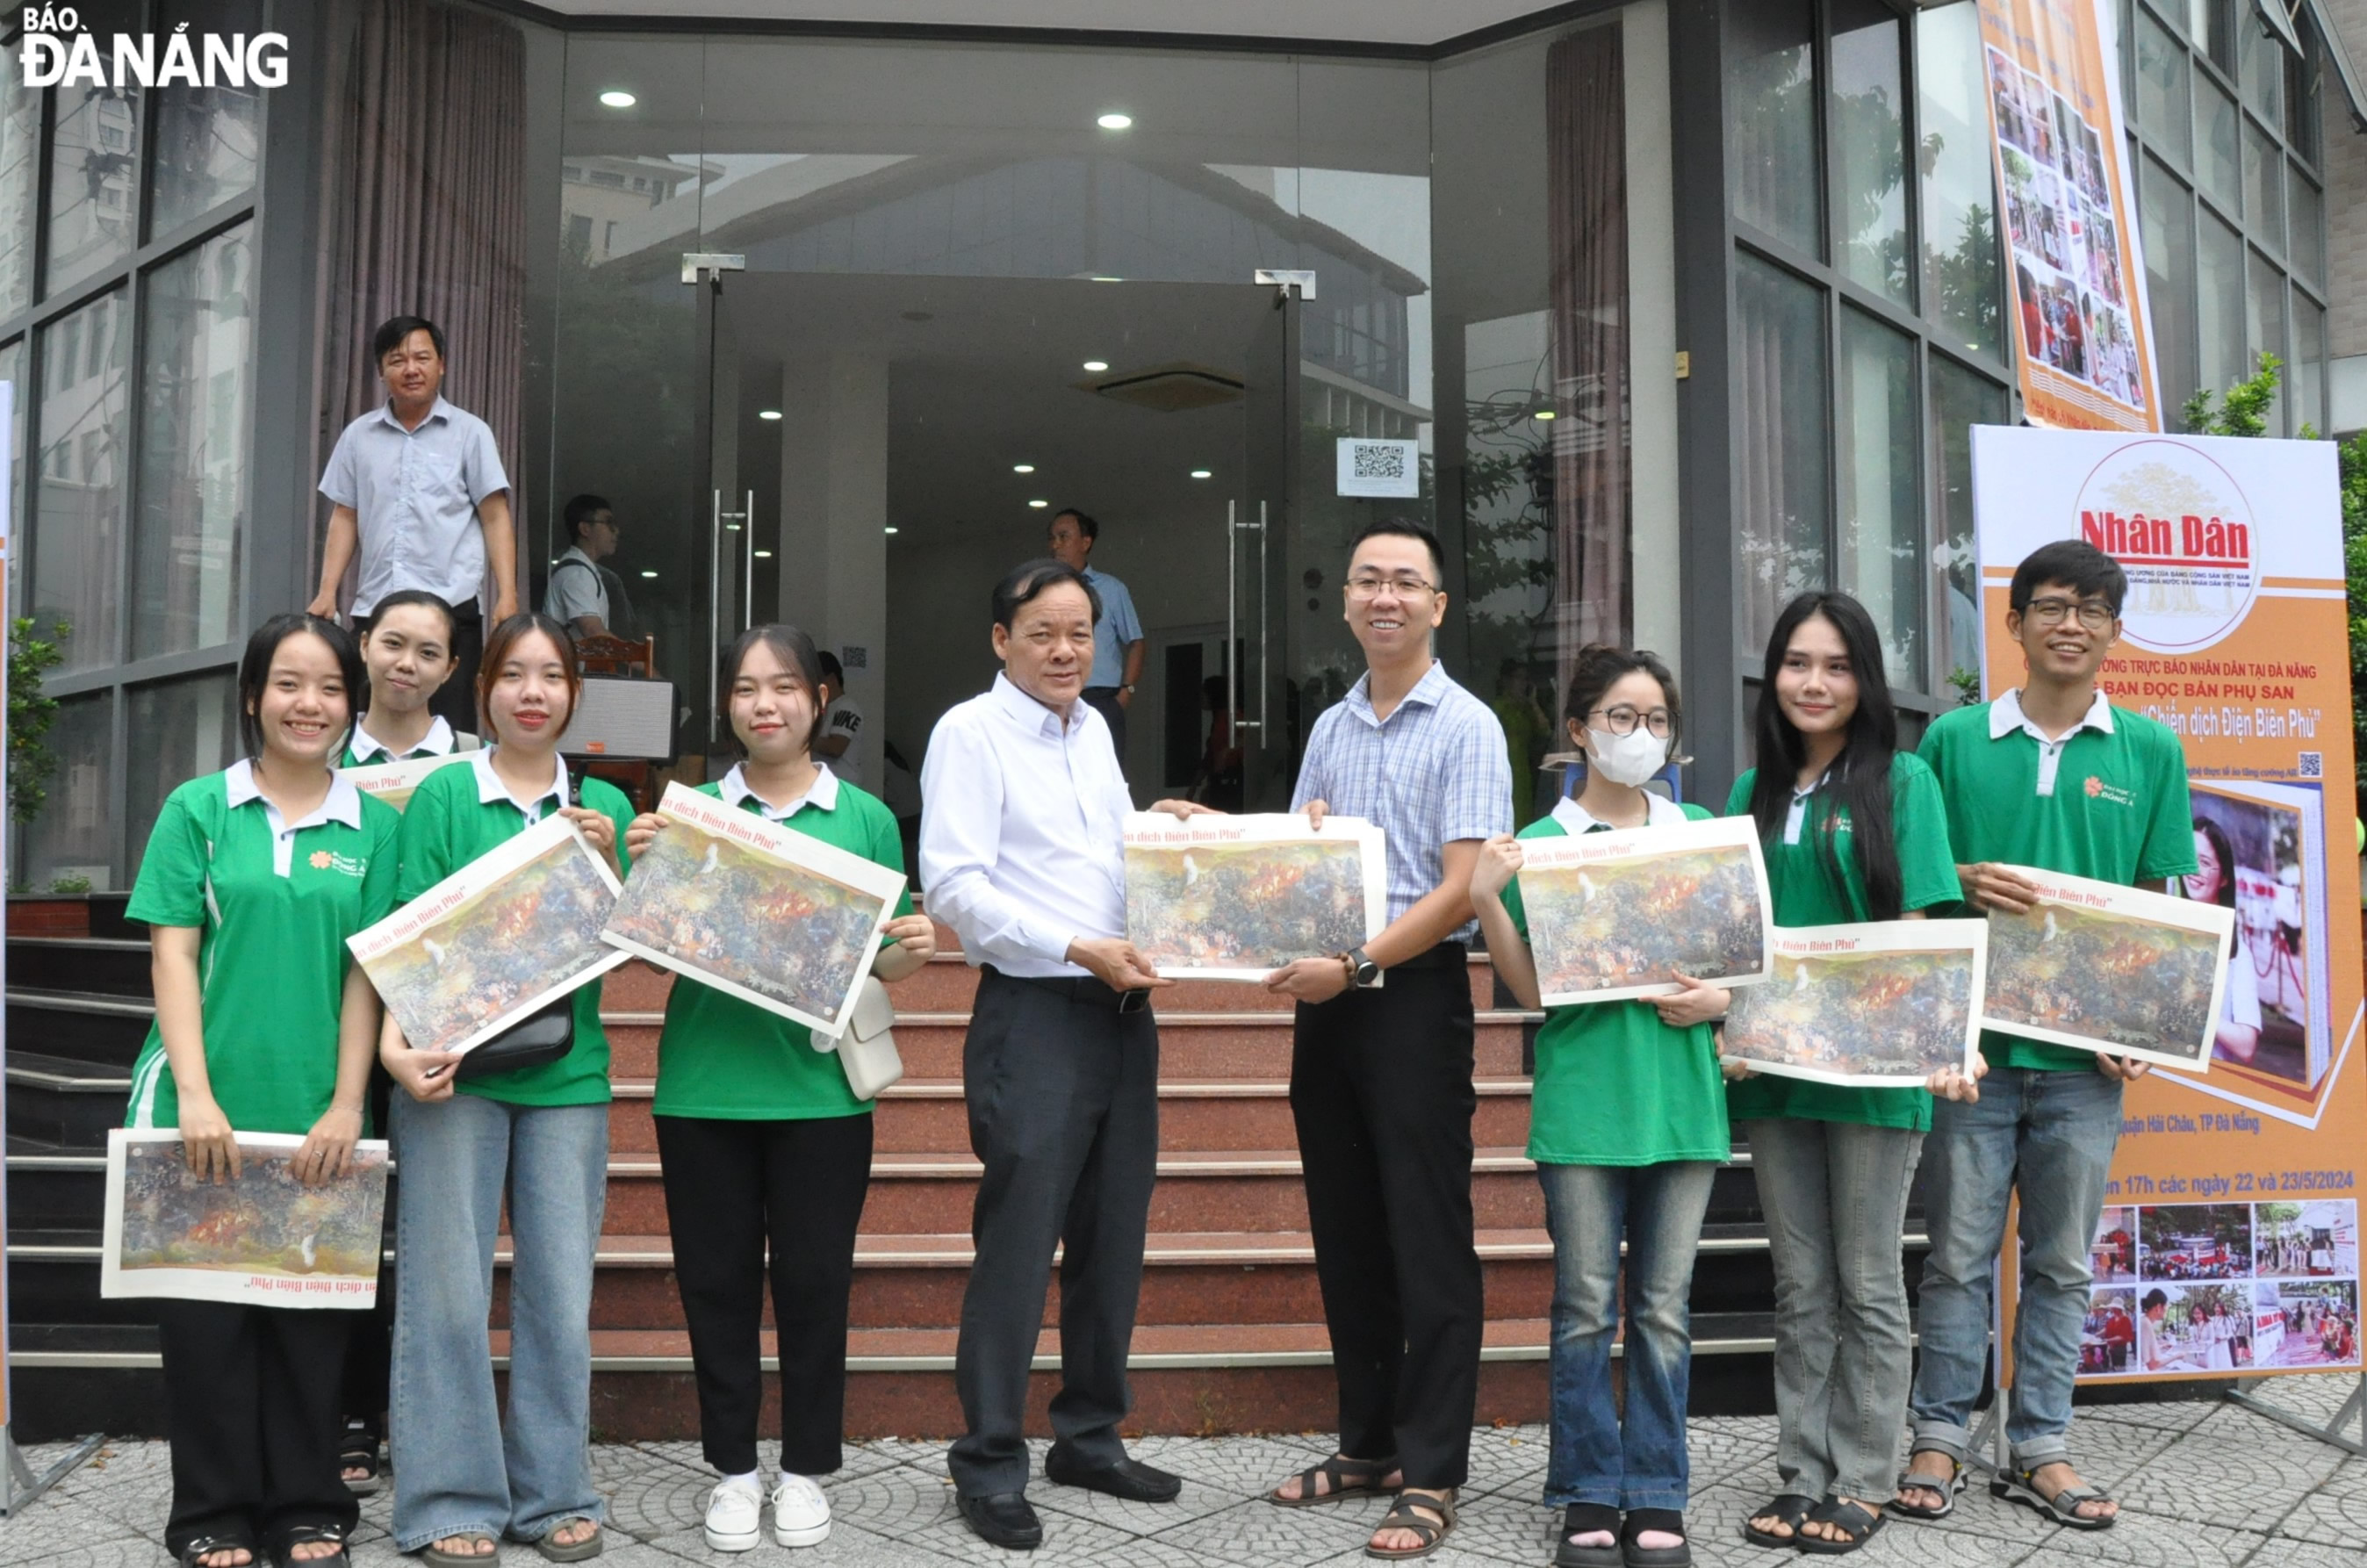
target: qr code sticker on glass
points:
(1380, 460)
(2312, 764)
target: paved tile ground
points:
(2204, 1484)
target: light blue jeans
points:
(1597, 1457)
(2050, 1134)
(460, 1467)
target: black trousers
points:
(1063, 1096)
(1380, 1090)
(455, 700)
(733, 1189)
(1105, 703)
(251, 1410)
(369, 1350)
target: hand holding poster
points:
(392, 781)
(1882, 1005)
(762, 911)
(1236, 897)
(510, 932)
(2115, 970)
(264, 1238)
(1614, 915)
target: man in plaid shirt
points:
(1380, 1080)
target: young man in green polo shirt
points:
(2051, 775)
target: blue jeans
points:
(460, 1467)
(2050, 1134)
(1598, 1457)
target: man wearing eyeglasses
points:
(2050, 775)
(1380, 1080)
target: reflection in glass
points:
(2162, 70)
(1960, 399)
(94, 181)
(20, 148)
(204, 136)
(2306, 246)
(2219, 314)
(2308, 378)
(2264, 189)
(2261, 61)
(195, 395)
(2167, 214)
(1881, 535)
(78, 495)
(70, 837)
(1869, 130)
(176, 730)
(1785, 487)
(1960, 241)
(12, 369)
(1771, 98)
(2215, 154)
(2264, 325)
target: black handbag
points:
(546, 1035)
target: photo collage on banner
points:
(2079, 279)
(2223, 1288)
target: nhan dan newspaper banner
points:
(2078, 281)
(2230, 1245)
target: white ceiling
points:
(1418, 23)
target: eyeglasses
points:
(1403, 587)
(2094, 614)
(1622, 719)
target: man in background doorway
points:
(585, 596)
(418, 491)
(1118, 637)
(842, 723)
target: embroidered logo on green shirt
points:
(2098, 790)
(329, 860)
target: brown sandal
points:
(1349, 1477)
(1402, 1516)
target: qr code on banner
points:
(1380, 460)
(2312, 764)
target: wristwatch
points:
(1363, 972)
(1129, 687)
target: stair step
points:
(110, 965)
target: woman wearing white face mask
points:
(1628, 1127)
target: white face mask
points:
(1627, 759)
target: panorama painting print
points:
(756, 909)
(509, 933)
(2110, 969)
(1236, 897)
(263, 1237)
(1882, 1005)
(1616, 915)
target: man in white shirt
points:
(842, 723)
(1023, 854)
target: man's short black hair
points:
(582, 509)
(2153, 1299)
(1405, 528)
(1028, 581)
(2074, 563)
(1085, 525)
(391, 335)
(831, 669)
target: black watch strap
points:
(1362, 971)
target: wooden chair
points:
(608, 655)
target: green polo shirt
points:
(1806, 894)
(449, 822)
(1614, 1085)
(2107, 801)
(272, 907)
(723, 1057)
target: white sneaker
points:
(800, 1513)
(735, 1514)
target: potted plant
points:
(63, 907)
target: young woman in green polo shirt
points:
(253, 880)
(1854, 829)
(408, 651)
(1627, 1126)
(463, 1478)
(761, 1138)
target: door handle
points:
(748, 553)
(714, 608)
(1234, 528)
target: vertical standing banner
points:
(2063, 176)
(7, 491)
(2229, 1244)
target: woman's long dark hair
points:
(1859, 780)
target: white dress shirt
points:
(1022, 822)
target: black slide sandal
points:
(1791, 1507)
(1861, 1523)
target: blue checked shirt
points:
(1434, 772)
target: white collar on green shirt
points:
(822, 793)
(439, 741)
(1659, 811)
(342, 804)
(2006, 716)
(490, 787)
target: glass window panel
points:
(2214, 26)
(2264, 326)
(2215, 144)
(20, 148)
(204, 136)
(175, 730)
(1881, 478)
(1960, 399)
(2304, 96)
(70, 837)
(2219, 298)
(1786, 488)
(2167, 214)
(195, 390)
(2308, 378)
(93, 164)
(1961, 285)
(1772, 91)
(2305, 242)
(12, 369)
(2162, 72)
(1869, 131)
(78, 500)
(2261, 61)
(2264, 189)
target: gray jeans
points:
(1835, 1198)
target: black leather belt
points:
(1086, 990)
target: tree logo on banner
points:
(2181, 529)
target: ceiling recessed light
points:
(889, 529)
(649, 574)
(1099, 279)
(1201, 474)
(764, 555)
(1116, 121)
(1543, 414)
(769, 413)
(1039, 505)
(1023, 468)
(617, 98)
(1095, 367)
